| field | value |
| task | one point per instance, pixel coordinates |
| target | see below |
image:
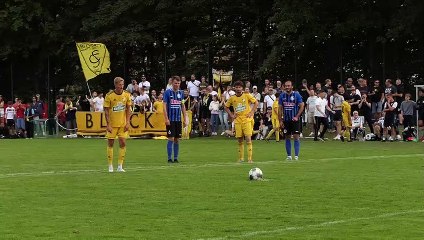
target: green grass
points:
(59, 189)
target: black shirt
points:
(354, 98)
(392, 89)
(363, 90)
(400, 89)
(377, 90)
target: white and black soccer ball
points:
(370, 137)
(255, 174)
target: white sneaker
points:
(337, 137)
(120, 169)
(311, 134)
(390, 139)
(399, 137)
(289, 158)
(301, 135)
(296, 158)
(222, 134)
(110, 168)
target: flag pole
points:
(89, 89)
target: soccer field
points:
(60, 189)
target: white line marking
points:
(323, 224)
(188, 166)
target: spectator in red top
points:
(60, 114)
(20, 116)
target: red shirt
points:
(20, 111)
(59, 107)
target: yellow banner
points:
(220, 76)
(94, 58)
(94, 124)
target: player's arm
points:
(227, 109)
(107, 117)
(255, 106)
(301, 108)
(183, 109)
(128, 112)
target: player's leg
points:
(247, 132)
(110, 141)
(288, 128)
(122, 136)
(177, 135)
(240, 138)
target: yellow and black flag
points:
(94, 58)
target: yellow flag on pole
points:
(94, 58)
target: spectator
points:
(193, 87)
(266, 124)
(204, 112)
(183, 85)
(377, 97)
(269, 98)
(203, 83)
(320, 116)
(310, 111)
(93, 96)
(169, 85)
(144, 83)
(214, 108)
(420, 107)
(400, 90)
(98, 103)
(132, 87)
(362, 86)
(256, 94)
(158, 104)
(10, 118)
(29, 123)
(70, 112)
(279, 86)
(247, 84)
(389, 118)
(40, 106)
(327, 87)
(84, 103)
(247, 90)
(142, 102)
(378, 128)
(188, 103)
(349, 84)
(1, 111)
(153, 96)
(407, 109)
(336, 101)
(354, 99)
(223, 115)
(60, 115)
(20, 117)
(357, 126)
(318, 87)
(365, 110)
(390, 89)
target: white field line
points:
(192, 166)
(323, 224)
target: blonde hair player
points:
(242, 117)
(117, 107)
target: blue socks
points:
(296, 147)
(176, 150)
(288, 147)
(169, 149)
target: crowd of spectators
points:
(383, 107)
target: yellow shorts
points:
(117, 132)
(243, 129)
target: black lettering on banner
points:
(101, 121)
(146, 120)
(131, 120)
(89, 120)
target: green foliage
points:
(256, 38)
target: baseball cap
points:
(255, 87)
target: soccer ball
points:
(370, 137)
(255, 174)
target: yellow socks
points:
(241, 150)
(249, 151)
(270, 134)
(122, 152)
(277, 135)
(109, 155)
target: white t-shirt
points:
(10, 113)
(141, 98)
(193, 88)
(320, 103)
(357, 122)
(98, 104)
(311, 104)
(336, 102)
(269, 100)
(257, 96)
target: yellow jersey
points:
(117, 104)
(158, 105)
(346, 109)
(241, 106)
(274, 110)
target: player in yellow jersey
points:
(242, 117)
(158, 105)
(117, 107)
(275, 121)
(346, 121)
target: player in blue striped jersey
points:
(291, 106)
(172, 107)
